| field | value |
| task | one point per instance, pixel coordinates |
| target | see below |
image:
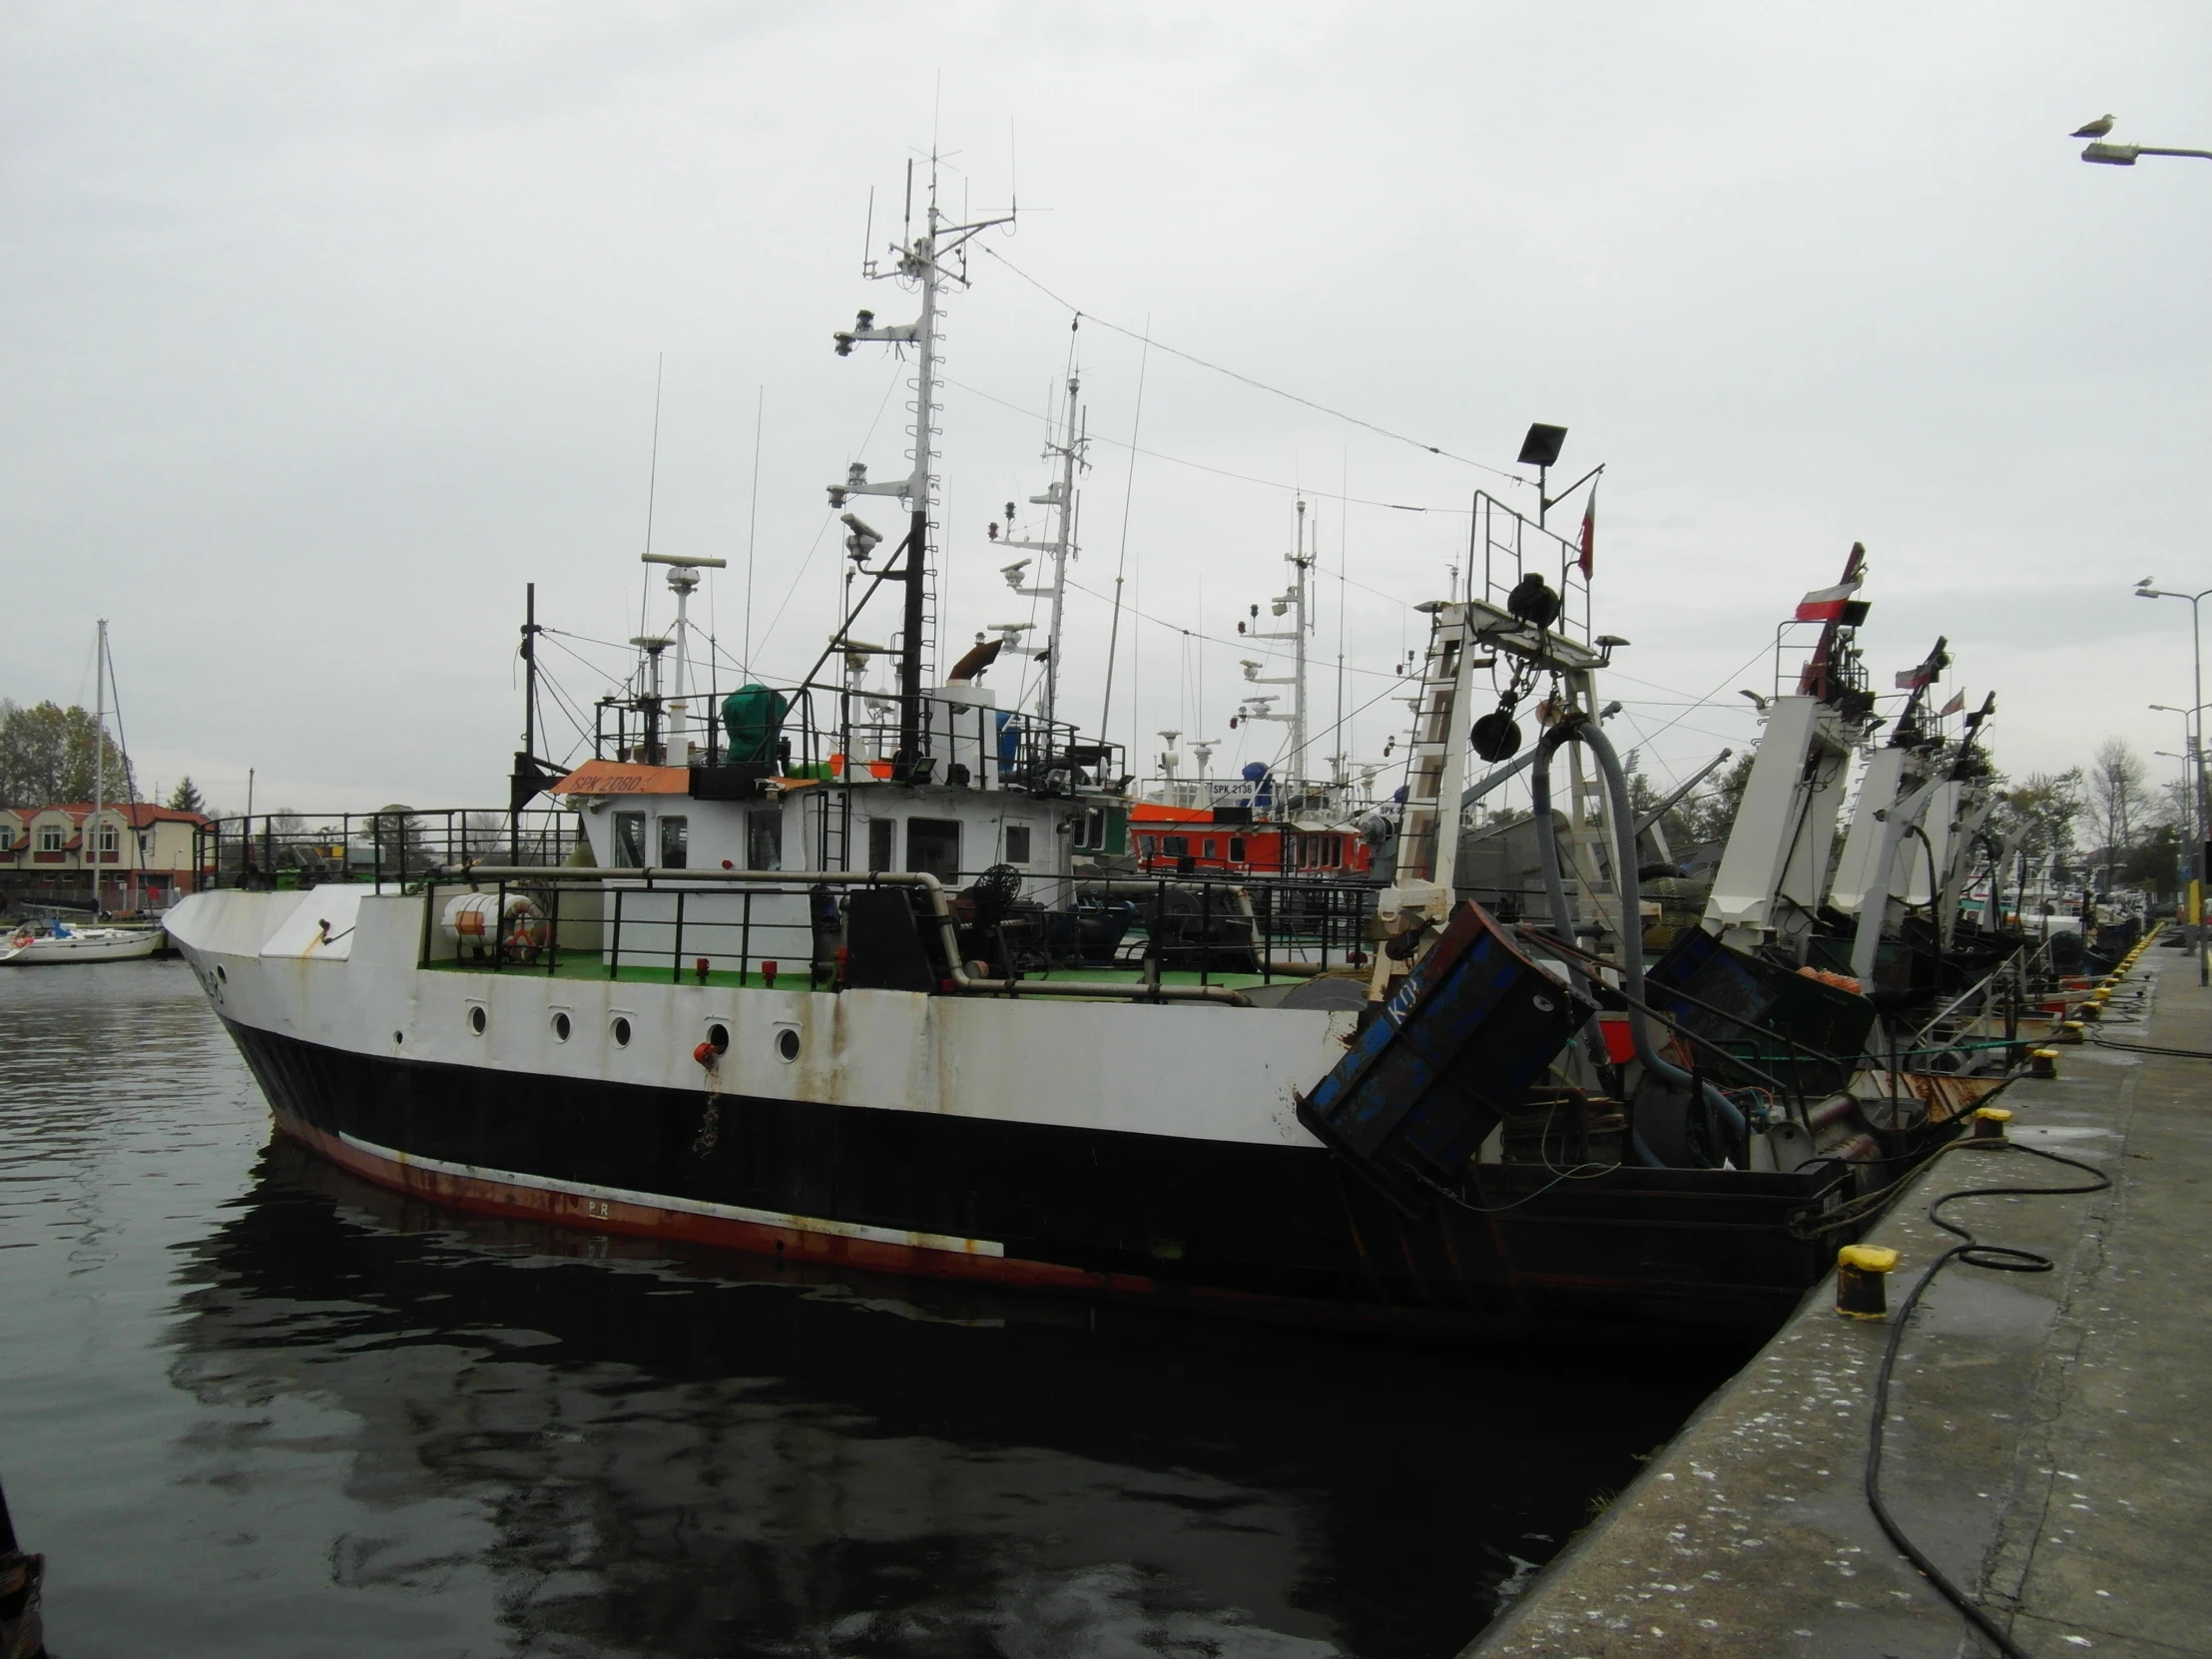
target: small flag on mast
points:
(1589, 534)
(1913, 679)
(1826, 604)
(1957, 702)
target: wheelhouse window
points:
(1210, 848)
(1236, 850)
(883, 832)
(763, 840)
(934, 846)
(1175, 846)
(1017, 843)
(675, 843)
(629, 841)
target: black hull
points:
(1271, 1232)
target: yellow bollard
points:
(2069, 1031)
(1862, 1282)
(1990, 1121)
(2041, 1063)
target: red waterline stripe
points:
(494, 1198)
(484, 1196)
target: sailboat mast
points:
(91, 838)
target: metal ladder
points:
(1428, 825)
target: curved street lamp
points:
(2124, 155)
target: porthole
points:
(719, 1035)
(398, 1037)
(786, 1043)
(221, 974)
(561, 1027)
(476, 1020)
(619, 1031)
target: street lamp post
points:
(2124, 155)
(2143, 589)
(2194, 827)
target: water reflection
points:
(408, 1431)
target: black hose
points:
(2104, 1042)
(1998, 1259)
(1562, 915)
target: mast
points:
(525, 774)
(683, 581)
(923, 261)
(1293, 601)
(1302, 565)
(1340, 773)
(1060, 496)
(99, 754)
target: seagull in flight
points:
(2096, 129)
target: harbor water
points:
(249, 1406)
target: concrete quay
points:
(2049, 1443)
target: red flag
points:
(1957, 702)
(1589, 534)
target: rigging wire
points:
(1707, 701)
(1246, 380)
(752, 526)
(1113, 638)
(1240, 642)
(1220, 471)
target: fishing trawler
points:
(835, 979)
(1269, 822)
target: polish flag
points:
(1589, 534)
(1957, 702)
(1826, 604)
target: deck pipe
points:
(1621, 818)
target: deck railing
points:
(854, 735)
(395, 843)
(775, 927)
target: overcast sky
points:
(329, 328)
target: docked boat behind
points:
(42, 944)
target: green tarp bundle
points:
(753, 716)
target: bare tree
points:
(2042, 813)
(2118, 786)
